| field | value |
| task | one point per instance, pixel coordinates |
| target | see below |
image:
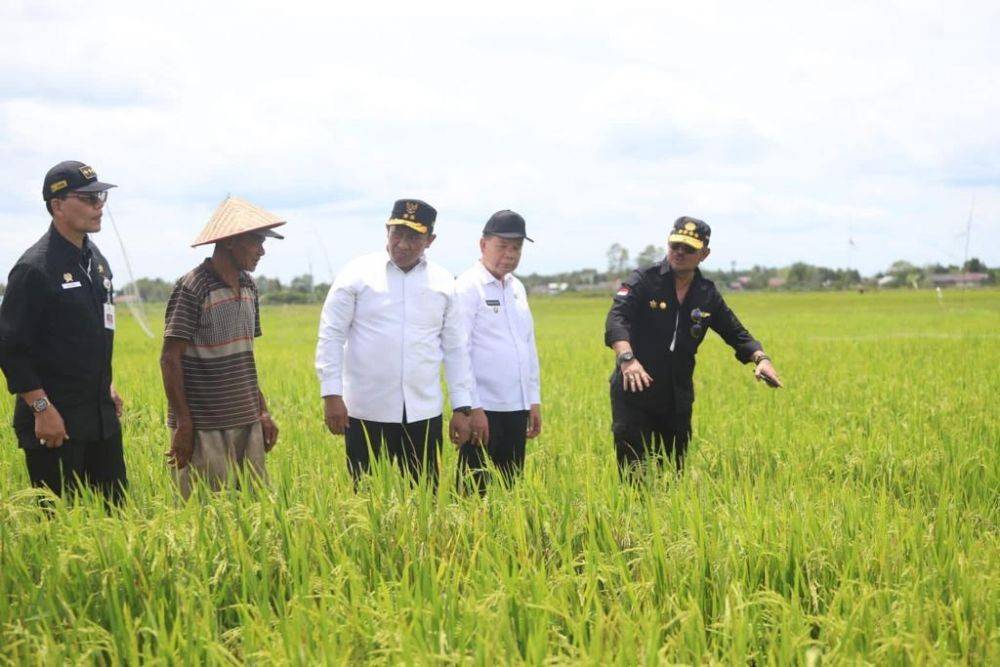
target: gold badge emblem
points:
(57, 186)
(67, 277)
(663, 305)
(100, 269)
(88, 172)
(690, 226)
(652, 304)
(411, 210)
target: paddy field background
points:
(850, 517)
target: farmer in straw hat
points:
(218, 416)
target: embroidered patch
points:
(622, 291)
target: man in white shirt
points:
(389, 321)
(501, 339)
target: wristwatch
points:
(465, 410)
(761, 357)
(40, 405)
(625, 357)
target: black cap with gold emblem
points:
(416, 214)
(692, 231)
(71, 176)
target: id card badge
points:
(109, 316)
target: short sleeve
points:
(183, 313)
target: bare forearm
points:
(173, 386)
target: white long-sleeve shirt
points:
(501, 339)
(383, 334)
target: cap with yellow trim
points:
(692, 231)
(413, 213)
(71, 175)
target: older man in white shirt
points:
(501, 339)
(389, 321)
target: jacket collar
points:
(65, 251)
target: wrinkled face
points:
(500, 256)
(246, 250)
(80, 212)
(683, 257)
(406, 246)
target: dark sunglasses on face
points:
(683, 248)
(92, 198)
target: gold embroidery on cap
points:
(57, 186)
(88, 172)
(690, 226)
(411, 210)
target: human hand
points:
(765, 371)
(335, 414)
(534, 421)
(460, 428)
(480, 427)
(50, 428)
(270, 430)
(181, 445)
(635, 377)
(117, 400)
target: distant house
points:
(776, 282)
(959, 279)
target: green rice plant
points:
(851, 517)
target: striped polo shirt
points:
(219, 325)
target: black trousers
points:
(413, 447)
(505, 449)
(99, 464)
(643, 434)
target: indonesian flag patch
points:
(622, 291)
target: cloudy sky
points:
(790, 129)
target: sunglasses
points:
(698, 317)
(92, 198)
(683, 248)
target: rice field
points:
(851, 517)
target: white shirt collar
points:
(389, 262)
(486, 277)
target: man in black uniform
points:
(57, 325)
(658, 319)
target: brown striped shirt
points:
(220, 376)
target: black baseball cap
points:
(692, 231)
(72, 176)
(416, 214)
(505, 224)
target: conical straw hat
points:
(236, 216)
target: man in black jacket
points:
(658, 319)
(57, 326)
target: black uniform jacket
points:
(646, 313)
(53, 337)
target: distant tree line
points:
(301, 289)
(797, 276)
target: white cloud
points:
(788, 128)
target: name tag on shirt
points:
(494, 304)
(75, 283)
(109, 316)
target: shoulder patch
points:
(623, 290)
